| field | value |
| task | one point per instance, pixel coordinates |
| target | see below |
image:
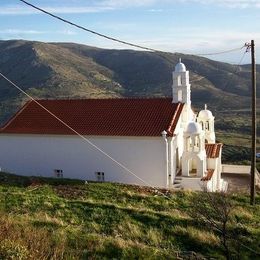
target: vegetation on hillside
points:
(233, 129)
(68, 70)
(68, 219)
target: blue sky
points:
(188, 26)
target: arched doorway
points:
(193, 167)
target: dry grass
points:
(105, 221)
(21, 240)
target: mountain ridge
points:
(70, 70)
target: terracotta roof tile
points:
(213, 150)
(113, 117)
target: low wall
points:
(240, 170)
(236, 169)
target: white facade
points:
(44, 155)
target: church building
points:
(157, 142)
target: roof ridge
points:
(109, 98)
(176, 112)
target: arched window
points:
(179, 81)
(180, 95)
(196, 143)
(207, 125)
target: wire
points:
(235, 71)
(231, 78)
(159, 52)
(221, 52)
(81, 136)
(89, 30)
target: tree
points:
(214, 210)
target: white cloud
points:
(35, 32)
(80, 7)
(129, 3)
(24, 10)
(226, 3)
(155, 10)
(77, 8)
(140, 3)
(17, 31)
(65, 32)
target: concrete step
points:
(178, 178)
(176, 186)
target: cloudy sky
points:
(188, 26)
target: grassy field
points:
(68, 219)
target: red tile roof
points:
(112, 117)
(213, 150)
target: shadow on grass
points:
(112, 215)
(14, 180)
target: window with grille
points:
(58, 173)
(100, 176)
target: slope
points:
(143, 74)
(68, 219)
(69, 70)
(49, 71)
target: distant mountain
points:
(69, 70)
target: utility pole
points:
(253, 152)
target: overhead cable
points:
(89, 30)
(221, 52)
(232, 76)
(118, 40)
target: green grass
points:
(233, 129)
(67, 219)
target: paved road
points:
(237, 182)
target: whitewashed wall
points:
(211, 163)
(40, 155)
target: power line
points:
(235, 71)
(220, 52)
(233, 74)
(89, 30)
(81, 136)
(237, 66)
(159, 52)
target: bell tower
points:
(181, 91)
(194, 154)
(206, 120)
(181, 84)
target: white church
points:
(145, 141)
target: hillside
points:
(69, 70)
(68, 219)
